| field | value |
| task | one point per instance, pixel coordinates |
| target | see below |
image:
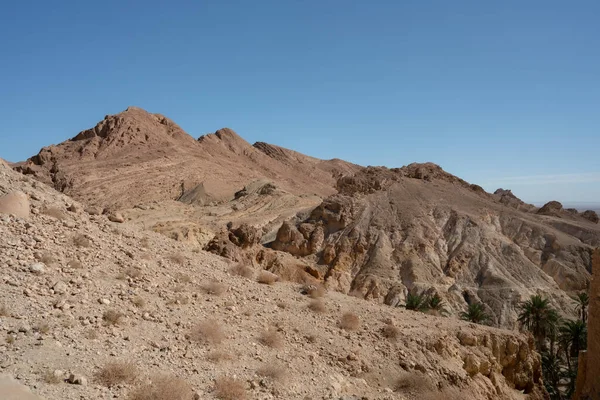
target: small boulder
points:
(37, 268)
(15, 203)
(116, 217)
(77, 379)
(551, 208)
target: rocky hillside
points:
(95, 309)
(419, 229)
(136, 157)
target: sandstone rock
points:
(77, 379)
(37, 268)
(116, 217)
(15, 203)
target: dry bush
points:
(390, 331)
(177, 259)
(271, 338)
(216, 356)
(356, 293)
(144, 242)
(139, 302)
(10, 339)
(413, 382)
(267, 277)
(115, 373)
(318, 306)
(350, 322)
(47, 258)
(311, 338)
(133, 272)
(112, 317)
(242, 270)
(208, 331)
(4, 311)
(227, 388)
(273, 371)
(42, 327)
(282, 305)
(80, 240)
(51, 378)
(314, 291)
(92, 334)
(75, 264)
(54, 212)
(184, 278)
(163, 387)
(215, 288)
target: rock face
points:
(591, 216)
(551, 208)
(588, 384)
(419, 228)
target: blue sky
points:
(503, 94)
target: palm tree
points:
(475, 313)
(572, 338)
(553, 373)
(583, 300)
(540, 319)
(435, 302)
(416, 302)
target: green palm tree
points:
(572, 338)
(583, 300)
(553, 372)
(540, 319)
(476, 313)
(435, 302)
(417, 302)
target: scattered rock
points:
(37, 268)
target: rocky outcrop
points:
(551, 208)
(591, 216)
(507, 197)
(414, 229)
(588, 384)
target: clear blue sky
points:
(500, 93)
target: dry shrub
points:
(318, 306)
(10, 339)
(80, 240)
(139, 302)
(184, 278)
(54, 212)
(413, 382)
(267, 277)
(311, 338)
(133, 272)
(112, 317)
(4, 311)
(177, 259)
(216, 356)
(144, 242)
(273, 371)
(314, 291)
(163, 387)
(390, 331)
(75, 264)
(215, 288)
(227, 388)
(271, 338)
(356, 293)
(350, 322)
(42, 327)
(51, 378)
(47, 258)
(208, 331)
(282, 305)
(92, 334)
(242, 270)
(115, 373)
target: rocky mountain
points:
(137, 157)
(419, 229)
(96, 309)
